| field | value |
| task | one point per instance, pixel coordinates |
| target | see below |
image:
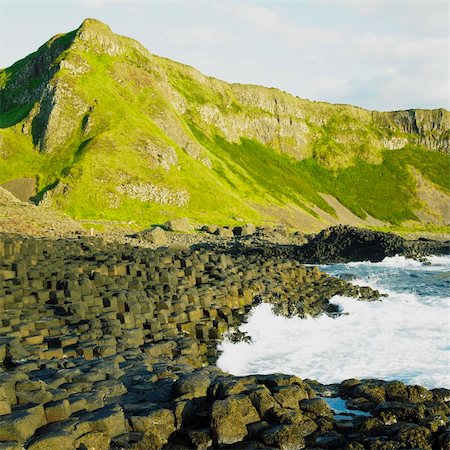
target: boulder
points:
(316, 407)
(134, 440)
(393, 411)
(414, 436)
(211, 229)
(285, 437)
(230, 417)
(289, 396)
(371, 391)
(155, 235)
(262, 400)
(344, 243)
(246, 230)
(158, 424)
(181, 224)
(224, 232)
(57, 410)
(192, 385)
(199, 439)
(22, 424)
(331, 440)
(109, 420)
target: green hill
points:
(110, 131)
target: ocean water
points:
(405, 336)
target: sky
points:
(383, 55)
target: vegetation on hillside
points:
(92, 114)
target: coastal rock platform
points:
(107, 345)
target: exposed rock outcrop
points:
(345, 244)
(428, 128)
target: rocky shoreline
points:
(108, 345)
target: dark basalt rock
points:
(105, 346)
(343, 243)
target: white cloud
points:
(101, 3)
(267, 20)
(260, 17)
(412, 90)
(433, 14)
(201, 35)
(381, 47)
(324, 87)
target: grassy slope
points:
(126, 100)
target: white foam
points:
(400, 262)
(439, 261)
(397, 338)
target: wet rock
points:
(419, 394)
(316, 407)
(116, 336)
(371, 391)
(414, 436)
(331, 440)
(127, 440)
(391, 412)
(441, 394)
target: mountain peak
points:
(93, 26)
(97, 36)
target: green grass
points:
(414, 229)
(385, 191)
(15, 115)
(130, 102)
(262, 175)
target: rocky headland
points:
(112, 345)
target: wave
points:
(404, 336)
(399, 262)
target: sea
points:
(404, 336)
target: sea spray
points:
(404, 336)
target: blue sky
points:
(382, 55)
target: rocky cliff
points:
(109, 130)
